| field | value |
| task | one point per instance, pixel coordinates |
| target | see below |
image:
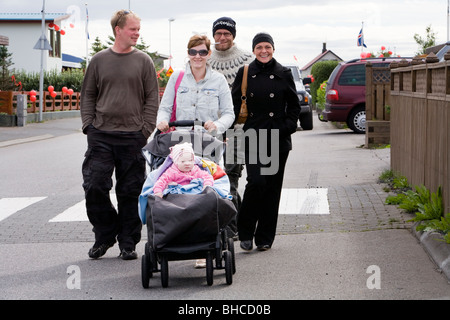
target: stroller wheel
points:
(146, 272)
(164, 271)
(228, 267)
(230, 243)
(151, 257)
(209, 268)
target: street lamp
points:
(170, 41)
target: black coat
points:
(272, 100)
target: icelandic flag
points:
(361, 39)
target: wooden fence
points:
(378, 99)
(420, 118)
(62, 102)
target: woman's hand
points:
(163, 126)
(210, 126)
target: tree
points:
(5, 63)
(321, 71)
(97, 46)
(429, 41)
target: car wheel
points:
(357, 120)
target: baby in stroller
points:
(182, 171)
(189, 221)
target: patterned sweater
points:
(228, 62)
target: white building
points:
(326, 55)
(24, 31)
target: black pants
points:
(258, 214)
(109, 151)
(233, 169)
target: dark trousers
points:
(108, 152)
(233, 169)
(258, 213)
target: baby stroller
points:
(191, 224)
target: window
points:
(55, 43)
(354, 75)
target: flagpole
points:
(362, 44)
(448, 1)
(41, 77)
(87, 36)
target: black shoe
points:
(128, 254)
(263, 247)
(97, 252)
(247, 245)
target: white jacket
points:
(208, 99)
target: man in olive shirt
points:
(119, 103)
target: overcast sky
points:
(299, 28)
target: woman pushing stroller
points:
(197, 93)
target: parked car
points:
(306, 113)
(346, 92)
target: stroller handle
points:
(182, 123)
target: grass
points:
(427, 206)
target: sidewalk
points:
(39, 131)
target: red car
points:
(346, 92)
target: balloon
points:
(33, 92)
(70, 91)
(56, 27)
(53, 94)
(63, 32)
(50, 88)
(64, 89)
(33, 98)
(51, 25)
(72, 25)
(383, 48)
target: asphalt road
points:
(357, 248)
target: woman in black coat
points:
(273, 111)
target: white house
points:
(24, 31)
(326, 55)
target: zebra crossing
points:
(303, 201)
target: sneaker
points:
(247, 245)
(97, 252)
(200, 263)
(128, 254)
(263, 247)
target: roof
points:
(30, 16)
(71, 61)
(71, 58)
(320, 56)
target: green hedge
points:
(321, 71)
(72, 79)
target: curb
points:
(436, 248)
(11, 120)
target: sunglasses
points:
(202, 53)
(121, 16)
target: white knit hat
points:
(177, 150)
